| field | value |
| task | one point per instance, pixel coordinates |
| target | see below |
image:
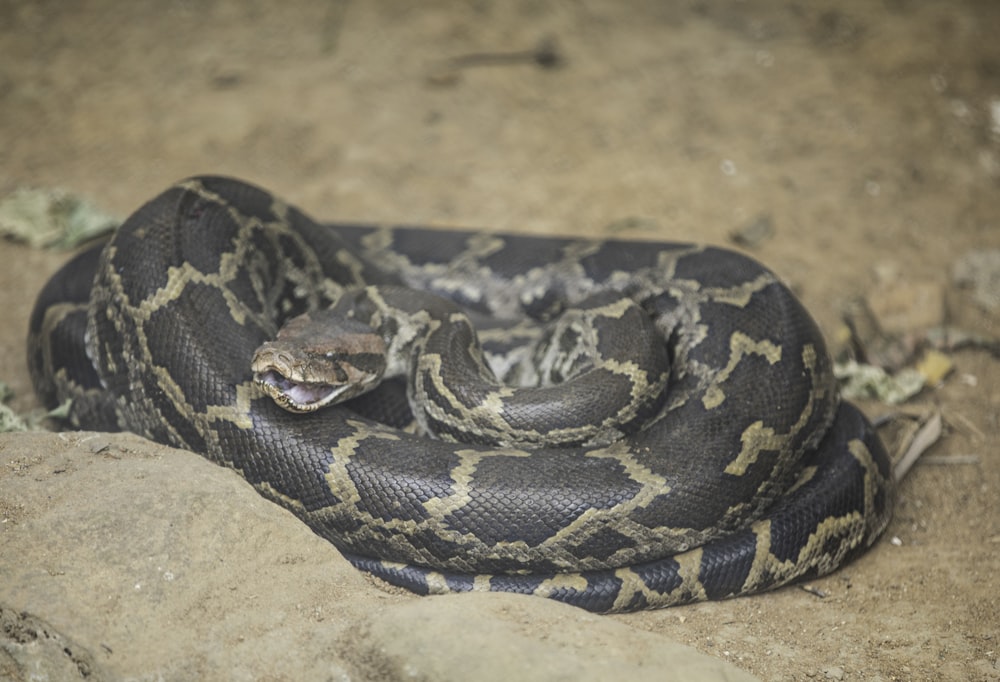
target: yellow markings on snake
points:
(462, 478)
(245, 392)
(756, 438)
(740, 296)
(338, 477)
(740, 346)
(562, 581)
(269, 491)
(688, 573)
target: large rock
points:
(122, 559)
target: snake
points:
(734, 466)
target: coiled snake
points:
(745, 474)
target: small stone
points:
(934, 366)
(979, 270)
(903, 306)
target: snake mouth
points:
(298, 396)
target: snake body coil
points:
(748, 474)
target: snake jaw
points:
(302, 396)
(302, 383)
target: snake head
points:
(319, 359)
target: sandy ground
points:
(862, 131)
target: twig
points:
(815, 591)
(926, 436)
(545, 55)
(951, 459)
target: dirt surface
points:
(867, 135)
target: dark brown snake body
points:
(749, 474)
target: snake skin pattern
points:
(751, 474)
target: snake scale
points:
(750, 473)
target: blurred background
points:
(852, 146)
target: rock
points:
(33, 649)
(487, 636)
(141, 561)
